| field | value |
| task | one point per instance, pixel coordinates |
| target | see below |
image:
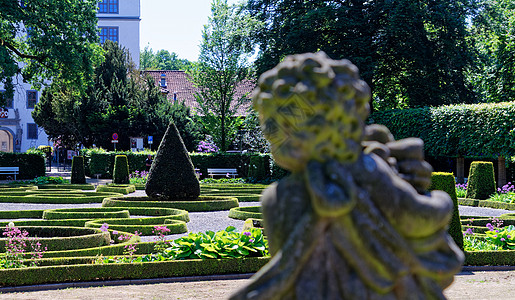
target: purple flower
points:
(104, 227)
(246, 233)
(502, 239)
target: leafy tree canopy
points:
(162, 60)
(411, 53)
(42, 39)
(222, 65)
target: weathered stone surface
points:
(353, 220)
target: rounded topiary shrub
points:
(481, 181)
(121, 170)
(172, 175)
(78, 174)
(445, 182)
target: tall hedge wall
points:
(31, 165)
(103, 163)
(478, 130)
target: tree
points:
(118, 100)
(162, 60)
(411, 53)
(43, 39)
(222, 65)
(492, 34)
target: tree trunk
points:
(501, 167)
(460, 169)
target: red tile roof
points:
(179, 84)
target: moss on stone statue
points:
(172, 175)
(445, 182)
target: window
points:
(32, 99)
(32, 131)
(108, 33)
(163, 80)
(108, 6)
(8, 101)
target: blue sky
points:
(174, 25)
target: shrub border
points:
(245, 212)
(92, 272)
(205, 203)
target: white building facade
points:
(118, 20)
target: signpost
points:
(114, 140)
(150, 141)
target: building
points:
(177, 87)
(118, 20)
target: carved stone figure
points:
(353, 220)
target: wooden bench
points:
(10, 171)
(222, 172)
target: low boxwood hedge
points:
(66, 186)
(85, 213)
(90, 272)
(117, 188)
(65, 238)
(55, 198)
(486, 203)
(203, 203)
(242, 197)
(144, 226)
(244, 213)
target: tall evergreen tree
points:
(119, 100)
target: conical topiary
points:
(78, 176)
(445, 182)
(121, 170)
(172, 175)
(481, 182)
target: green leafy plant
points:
(227, 243)
(504, 237)
(223, 180)
(471, 243)
(49, 180)
(507, 198)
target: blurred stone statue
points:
(354, 219)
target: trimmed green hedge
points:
(481, 180)
(486, 203)
(55, 198)
(66, 186)
(445, 182)
(31, 165)
(85, 213)
(89, 272)
(121, 170)
(203, 203)
(144, 226)
(117, 188)
(65, 238)
(78, 176)
(103, 163)
(490, 258)
(246, 212)
(473, 130)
